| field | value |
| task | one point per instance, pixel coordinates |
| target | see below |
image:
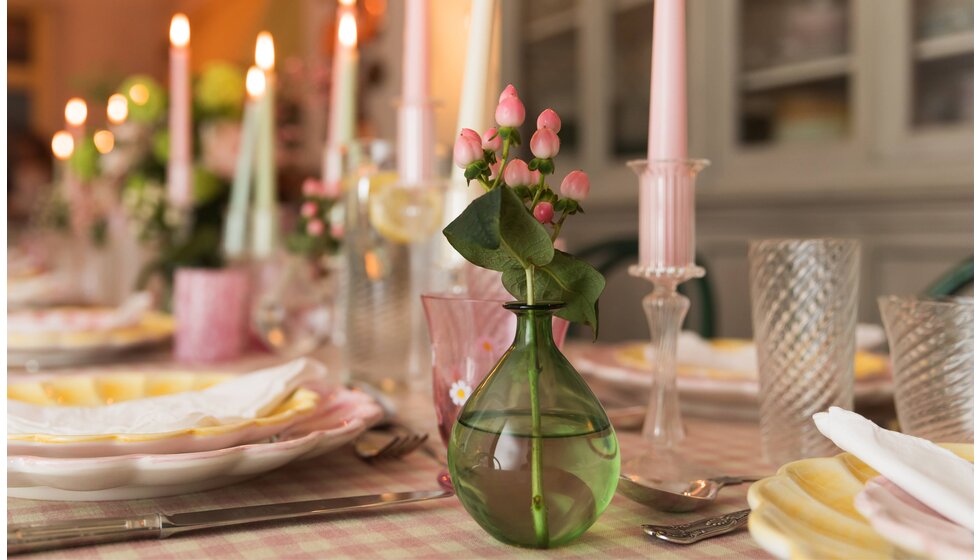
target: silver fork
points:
(375, 446)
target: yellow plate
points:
(807, 509)
(153, 326)
(101, 390)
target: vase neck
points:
(534, 325)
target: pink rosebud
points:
(331, 189)
(312, 187)
(545, 143)
(308, 210)
(491, 140)
(544, 212)
(516, 173)
(575, 185)
(470, 133)
(549, 119)
(535, 177)
(337, 230)
(510, 112)
(494, 170)
(509, 91)
(314, 228)
(467, 149)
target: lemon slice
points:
(404, 214)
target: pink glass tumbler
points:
(211, 311)
(468, 338)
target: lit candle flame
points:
(117, 109)
(347, 2)
(265, 51)
(139, 94)
(347, 30)
(76, 111)
(62, 144)
(104, 141)
(180, 31)
(255, 82)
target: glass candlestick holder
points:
(666, 261)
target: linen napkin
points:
(72, 320)
(245, 397)
(933, 475)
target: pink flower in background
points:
(544, 212)
(315, 228)
(494, 170)
(491, 140)
(312, 187)
(509, 91)
(575, 185)
(331, 189)
(545, 143)
(535, 177)
(308, 210)
(337, 230)
(510, 112)
(549, 119)
(468, 148)
(516, 173)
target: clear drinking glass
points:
(804, 315)
(931, 343)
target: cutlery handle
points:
(42, 536)
(690, 533)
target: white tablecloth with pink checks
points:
(434, 529)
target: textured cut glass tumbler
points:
(931, 344)
(804, 314)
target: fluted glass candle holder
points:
(666, 260)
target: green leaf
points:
(567, 279)
(496, 231)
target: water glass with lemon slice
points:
(389, 246)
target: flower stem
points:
(557, 230)
(539, 510)
(503, 164)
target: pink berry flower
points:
(544, 212)
(509, 91)
(517, 174)
(549, 119)
(545, 143)
(312, 187)
(308, 210)
(535, 177)
(491, 140)
(468, 148)
(575, 185)
(510, 112)
(314, 228)
(494, 170)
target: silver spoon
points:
(677, 497)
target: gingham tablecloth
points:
(434, 529)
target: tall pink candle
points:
(179, 163)
(666, 180)
(416, 133)
(668, 83)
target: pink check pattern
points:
(437, 529)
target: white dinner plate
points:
(343, 416)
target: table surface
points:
(439, 528)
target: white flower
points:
(459, 392)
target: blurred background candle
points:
(667, 181)
(343, 92)
(179, 161)
(62, 146)
(76, 111)
(264, 213)
(415, 115)
(235, 222)
(117, 109)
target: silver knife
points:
(80, 532)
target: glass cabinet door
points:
(794, 72)
(942, 63)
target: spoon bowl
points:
(679, 496)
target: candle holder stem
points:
(665, 309)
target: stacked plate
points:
(314, 419)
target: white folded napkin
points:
(933, 475)
(693, 350)
(243, 398)
(71, 320)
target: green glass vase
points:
(532, 455)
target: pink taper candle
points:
(179, 163)
(415, 116)
(668, 83)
